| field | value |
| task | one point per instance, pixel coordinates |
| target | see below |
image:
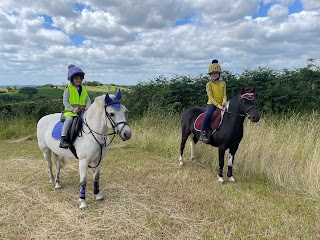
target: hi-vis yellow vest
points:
(75, 100)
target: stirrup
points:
(64, 144)
(203, 137)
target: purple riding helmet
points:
(74, 71)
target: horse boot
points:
(64, 142)
(204, 137)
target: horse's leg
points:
(184, 139)
(96, 188)
(232, 153)
(193, 142)
(58, 167)
(221, 163)
(47, 157)
(83, 166)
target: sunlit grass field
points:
(106, 88)
(148, 196)
(58, 91)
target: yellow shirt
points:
(216, 92)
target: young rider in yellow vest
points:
(75, 97)
(217, 97)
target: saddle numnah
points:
(215, 123)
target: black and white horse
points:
(229, 134)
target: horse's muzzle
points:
(126, 134)
(254, 118)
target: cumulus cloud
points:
(278, 11)
(311, 4)
(123, 42)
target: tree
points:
(28, 90)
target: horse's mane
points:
(99, 101)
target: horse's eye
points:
(111, 114)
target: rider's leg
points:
(66, 125)
(206, 122)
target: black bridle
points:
(105, 136)
(248, 96)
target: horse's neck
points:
(96, 120)
(235, 110)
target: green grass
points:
(58, 92)
(148, 196)
(50, 92)
(106, 89)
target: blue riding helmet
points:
(75, 71)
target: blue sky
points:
(120, 42)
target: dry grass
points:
(286, 151)
(147, 196)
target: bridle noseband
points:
(112, 122)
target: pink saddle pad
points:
(214, 123)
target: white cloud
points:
(278, 11)
(123, 42)
(282, 2)
(311, 4)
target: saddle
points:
(216, 120)
(74, 130)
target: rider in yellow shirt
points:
(217, 97)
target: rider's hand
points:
(75, 110)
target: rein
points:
(104, 144)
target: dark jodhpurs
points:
(207, 116)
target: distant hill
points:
(18, 86)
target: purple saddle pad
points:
(56, 132)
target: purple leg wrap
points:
(82, 193)
(96, 188)
(229, 174)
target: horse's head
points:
(248, 103)
(115, 113)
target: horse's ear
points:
(118, 95)
(242, 91)
(107, 99)
(253, 89)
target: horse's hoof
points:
(181, 164)
(232, 179)
(57, 186)
(83, 204)
(98, 197)
(220, 180)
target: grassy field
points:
(106, 88)
(148, 196)
(58, 92)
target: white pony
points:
(105, 113)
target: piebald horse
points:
(230, 132)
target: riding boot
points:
(64, 142)
(204, 137)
